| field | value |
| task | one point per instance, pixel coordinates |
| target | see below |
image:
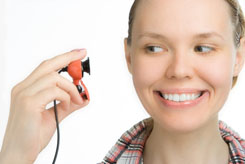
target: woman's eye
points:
(203, 49)
(154, 49)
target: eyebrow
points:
(197, 36)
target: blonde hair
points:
(238, 21)
(237, 18)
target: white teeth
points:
(181, 97)
(176, 97)
(170, 97)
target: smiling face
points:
(180, 48)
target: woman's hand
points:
(30, 125)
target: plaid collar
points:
(129, 148)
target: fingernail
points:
(78, 50)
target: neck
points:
(202, 146)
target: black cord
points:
(58, 132)
(57, 124)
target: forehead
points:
(183, 17)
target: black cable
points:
(57, 124)
(58, 132)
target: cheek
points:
(146, 71)
(216, 72)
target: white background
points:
(32, 31)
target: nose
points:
(180, 67)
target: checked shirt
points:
(129, 148)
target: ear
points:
(127, 55)
(240, 57)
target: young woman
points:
(184, 57)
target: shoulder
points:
(235, 142)
(129, 147)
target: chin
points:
(181, 125)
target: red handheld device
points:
(76, 70)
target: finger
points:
(60, 61)
(44, 97)
(52, 65)
(64, 113)
(55, 80)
